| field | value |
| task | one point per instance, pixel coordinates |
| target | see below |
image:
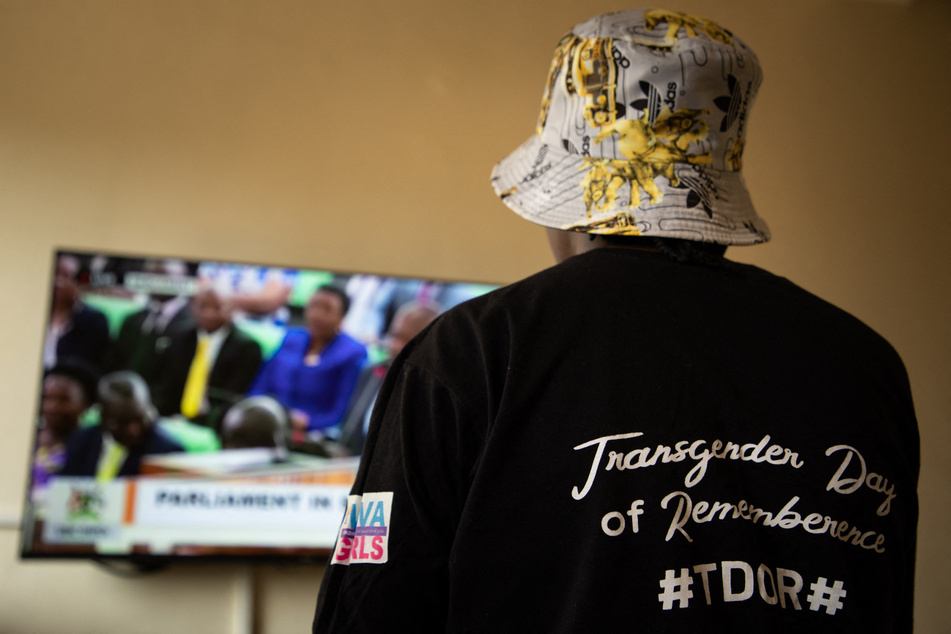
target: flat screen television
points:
(146, 450)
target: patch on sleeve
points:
(365, 531)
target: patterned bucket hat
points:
(641, 132)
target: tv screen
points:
(207, 409)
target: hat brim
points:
(553, 187)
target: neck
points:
(61, 312)
(211, 332)
(318, 343)
(49, 436)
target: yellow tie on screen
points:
(109, 465)
(197, 380)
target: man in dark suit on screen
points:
(75, 330)
(409, 321)
(208, 367)
(127, 432)
(145, 334)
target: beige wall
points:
(360, 135)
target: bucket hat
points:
(641, 132)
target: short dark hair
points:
(257, 421)
(81, 372)
(339, 292)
